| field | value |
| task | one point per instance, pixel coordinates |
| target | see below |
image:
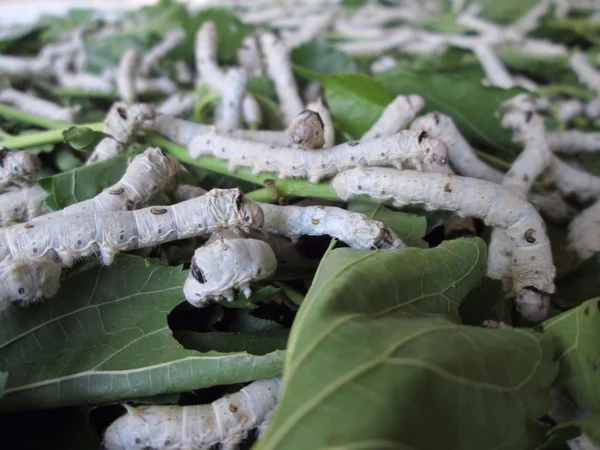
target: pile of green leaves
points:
(378, 350)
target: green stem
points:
(70, 92)
(44, 137)
(285, 188)
(493, 160)
(14, 113)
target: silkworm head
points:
(307, 130)
(29, 280)
(129, 432)
(253, 215)
(25, 164)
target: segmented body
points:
(396, 116)
(226, 421)
(225, 265)
(22, 205)
(532, 267)
(414, 148)
(67, 238)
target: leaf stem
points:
(44, 137)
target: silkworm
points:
(211, 73)
(573, 141)
(17, 168)
(22, 205)
(24, 67)
(27, 281)
(414, 148)
(231, 100)
(155, 54)
(84, 81)
(571, 181)
(586, 73)
(383, 63)
(279, 69)
(249, 56)
(396, 116)
(307, 130)
(328, 129)
(354, 229)
(183, 73)
(592, 109)
(568, 110)
(226, 421)
(178, 104)
(225, 265)
(183, 132)
(67, 238)
(532, 268)
(161, 85)
(310, 28)
(35, 105)
(495, 71)
(122, 123)
(583, 236)
(127, 72)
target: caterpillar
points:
(279, 69)
(414, 148)
(152, 57)
(573, 141)
(396, 115)
(67, 238)
(182, 132)
(231, 99)
(122, 123)
(249, 57)
(27, 281)
(161, 85)
(328, 131)
(178, 104)
(583, 236)
(532, 268)
(226, 421)
(307, 130)
(354, 229)
(227, 264)
(35, 105)
(126, 74)
(586, 73)
(568, 110)
(17, 168)
(22, 205)
(83, 81)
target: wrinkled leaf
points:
(82, 139)
(377, 360)
(471, 105)
(411, 228)
(322, 57)
(355, 100)
(105, 338)
(82, 183)
(577, 336)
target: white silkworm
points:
(35, 105)
(532, 268)
(586, 73)
(328, 129)
(23, 67)
(396, 116)
(122, 123)
(68, 238)
(592, 109)
(225, 265)
(414, 148)
(573, 141)
(226, 421)
(393, 40)
(83, 81)
(383, 63)
(231, 100)
(307, 130)
(182, 132)
(571, 181)
(277, 62)
(354, 229)
(161, 85)
(152, 57)
(127, 72)
(211, 73)
(495, 72)
(22, 205)
(178, 105)
(584, 237)
(17, 168)
(310, 28)
(529, 21)
(249, 56)
(27, 281)
(569, 109)
(462, 157)
(183, 73)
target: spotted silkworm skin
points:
(532, 267)
(573, 141)
(225, 265)
(231, 100)
(414, 148)
(22, 205)
(17, 168)
(68, 238)
(122, 123)
(396, 116)
(354, 229)
(27, 281)
(226, 421)
(127, 72)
